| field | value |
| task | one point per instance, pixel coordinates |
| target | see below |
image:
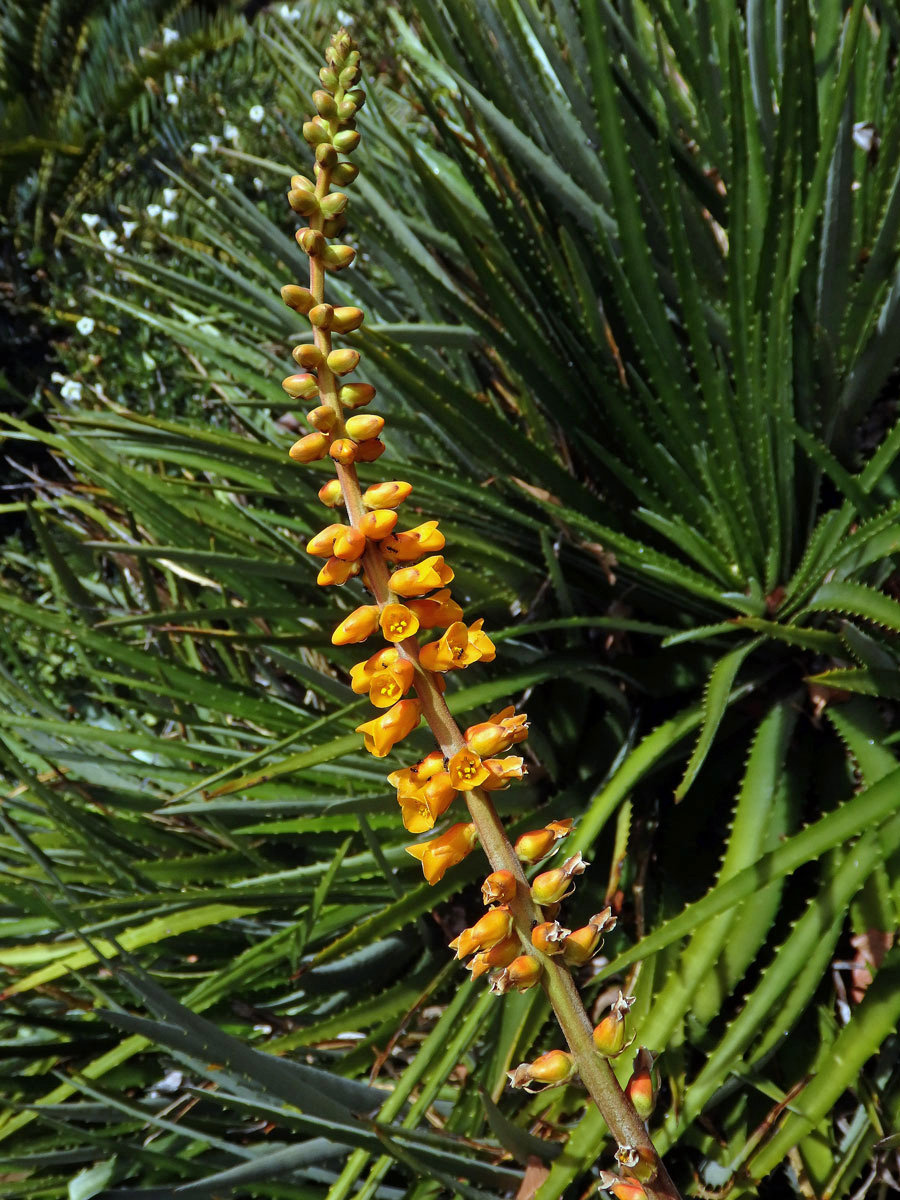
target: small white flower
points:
(214, 141)
(231, 131)
(344, 17)
(85, 325)
(257, 114)
(90, 219)
(170, 195)
(108, 238)
(168, 216)
(179, 81)
(258, 183)
(199, 148)
(153, 211)
(172, 98)
(128, 228)
(228, 177)
(148, 360)
(288, 13)
(170, 36)
(58, 377)
(70, 390)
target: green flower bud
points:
(346, 110)
(358, 96)
(328, 78)
(325, 105)
(342, 362)
(312, 241)
(299, 183)
(336, 258)
(326, 155)
(316, 131)
(355, 395)
(322, 316)
(346, 319)
(344, 173)
(349, 75)
(346, 141)
(334, 204)
(307, 356)
(304, 203)
(300, 299)
(334, 226)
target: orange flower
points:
(416, 581)
(444, 654)
(522, 973)
(495, 735)
(383, 733)
(322, 545)
(398, 623)
(437, 611)
(413, 543)
(467, 770)
(495, 925)
(582, 944)
(502, 772)
(357, 626)
(480, 647)
(378, 524)
(531, 847)
(440, 790)
(552, 1069)
(336, 570)
(361, 674)
(343, 451)
(500, 955)
(551, 886)
(609, 1035)
(639, 1088)
(349, 544)
(499, 887)
(386, 495)
(420, 810)
(409, 780)
(369, 450)
(331, 494)
(441, 853)
(387, 686)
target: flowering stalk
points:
(520, 942)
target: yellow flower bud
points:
(466, 770)
(552, 1069)
(322, 543)
(551, 886)
(322, 418)
(416, 581)
(311, 242)
(441, 853)
(300, 299)
(549, 937)
(335, 571)
(385, 495)
(335, 258)
(307, 355)
(356, 395)
(342, 362)
(350, 544)
(369, 450)
(346, 319)
(498, 888)
(343, 451)
(531, 847)
(321, 316)
(364, 426)
(500, 955)
(582, 944)
(609, 1035)
(356, 627)
(301, 387)
(524, 972)
(383, 733)
(309, 448)
(331, 494)
(377, 525)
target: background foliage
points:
(631, 280)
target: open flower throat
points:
(424, 634)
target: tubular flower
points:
(361, 675)
(409, 780)
(492, 928)
(609, 1035)
(437, 611)
(383, 733)
(413, 543)
(495, 736)
(551, 1069)
(467, 771)
(416, 581)
(582, 944)
(441, 853)
(480, 647)
(531, 847)
(398, 623)
(445, 653)
(502, 772)
(387, 686)
(554, 885)
(420, 810)
(549, 937)
(500, 955)
(359, 625)
(498, 888)
(439, 791)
